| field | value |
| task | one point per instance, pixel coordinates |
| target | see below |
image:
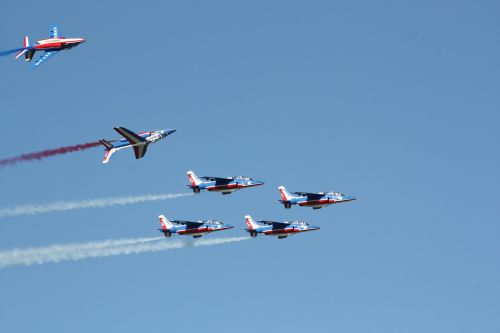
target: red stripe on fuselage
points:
(194, 231)
(49, 46)
(281, 231)
(286, 231)
(222, 187)
(229, 186)
(316, 202)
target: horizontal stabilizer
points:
(106, 144)
(20, 53)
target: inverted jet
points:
(138, 141)
(50, 46)
(314, 200)
(190, 228)
(278, 229)
(217, 184)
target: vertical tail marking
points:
(285, 196)
(193, 178)
(165, 223)
(251, 224)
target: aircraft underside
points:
(224, 190)
(194, 234)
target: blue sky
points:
(395, 102)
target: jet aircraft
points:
(195, 229)
(216, 184)
(314, 200)
(50, 46)
(139, 142)
(279, 229)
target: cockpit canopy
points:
(299, 223)
(214, 222)
(242, 178)
(336, 194)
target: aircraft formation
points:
(225, 185)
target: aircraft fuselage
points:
(57, 43)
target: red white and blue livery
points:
(138, 141)
(218, 184)
(314, 200)
(49, 46)
(191, 228)
(278, 229)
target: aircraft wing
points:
(44, 57)
(189, 224)
(275, 224)
(55, 32)
(130, 136)
(312, 196)
(140, 151)
(139, 143)
(280, 225)
(218, 180)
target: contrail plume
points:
(46, 153)
(82, 204)
(79, 251)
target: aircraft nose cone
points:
(313, 227)
(170, 131)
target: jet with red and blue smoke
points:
(138, 141)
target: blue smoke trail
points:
(6, 53)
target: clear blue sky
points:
(395, 102)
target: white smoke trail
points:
(75, 251)
(92, 203)
(53, 250)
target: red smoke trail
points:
(46, 153)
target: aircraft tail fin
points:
(252, 225)
(166, 225)
(27, 51)
(193, 179)
(285, 195)
(109, 154)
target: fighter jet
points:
(139, 142)
(279, 229)
(50, 46)
(195, 229)
(216, 184)
(314, 200)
